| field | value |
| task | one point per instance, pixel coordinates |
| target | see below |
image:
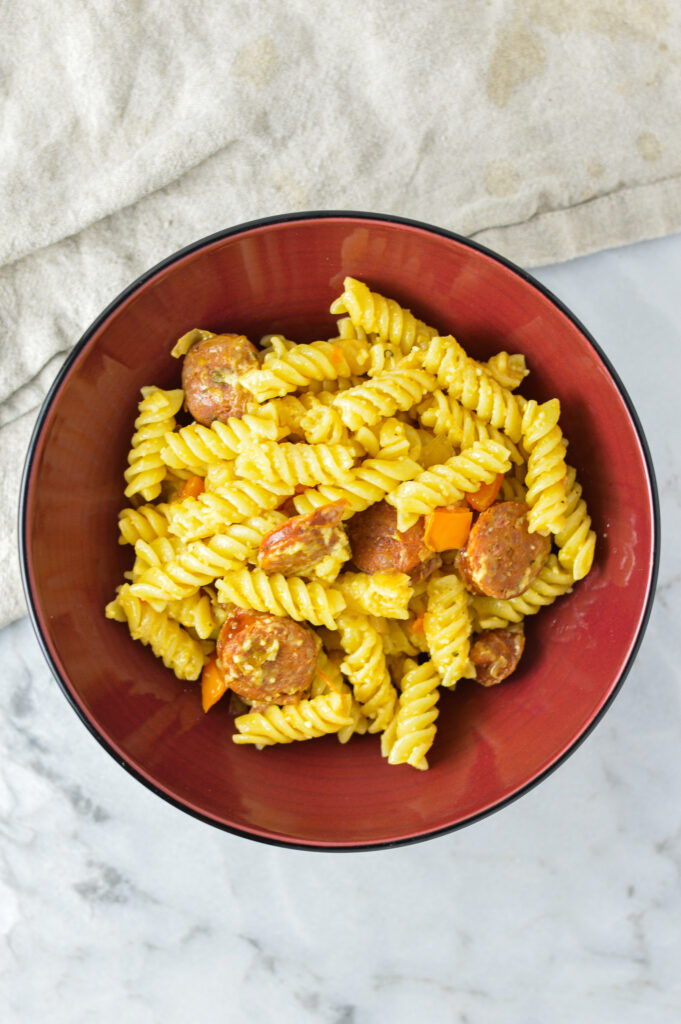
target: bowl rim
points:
(63, 373)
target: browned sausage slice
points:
(501, 557)
(496, 654)
(378, 546)
(266, 658)
(302, 541)
(210, 373)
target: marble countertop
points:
(563, 907)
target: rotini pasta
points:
(410, 735)
(152, 554)
(146, 470)
(378, 315)
(295, 464)
(299, 599)
(546, 470)
(196, 612)
(473, 386)
(195, 518)
(307, 719)
(299, 366)
(365, 667)
(364, 520)
(370, 482)
(367, 404)
(382, 593)
(201, 562)
(552, 582)
(446, 417)
(196, 447)
(576, 541)
(322, 424)
(329, 679)
(144, 523)
(508, 370)
(398, 637)
(448, 627)
(183, 344)
(167, 639)
(445, 484)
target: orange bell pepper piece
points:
(191, 488)
(485, 495)
(448, 528)
(213, 683)
(417, 626)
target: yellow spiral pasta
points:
(370, 482)
(329, 679)
(410, 735)
(201, 562)
(434, 450)
(398, 638)
(144, 523)
(379, 398)
(508, 370)
(183, 344)
(282, 595)
(150, 554)
(219, 475)
(195, 518)
(323, 425)
(295, 464)
(552, 582)
(196, 612)
(443, 485)
(365, 667)
(196, 447)
(378, 315)
(288, 411)
(446, 417)
(306, 720)
(276, 344)
(297, 368)
(167, 639)
(383, 593)
(346, 329)
(448, 627)
(473, 386)
(576, 541)
(546, 470)
(389, 439)
(146, 470)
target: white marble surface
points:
(564, 907)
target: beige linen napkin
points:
(545, 129)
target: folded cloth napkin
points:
(542, 128)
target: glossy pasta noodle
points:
(384, 441)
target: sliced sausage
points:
(502, 557)
(378, 546)
(301, 542)
(266, 658)
(210, 373)
(496, 654)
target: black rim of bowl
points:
(240, 229)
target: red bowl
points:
(281, 274)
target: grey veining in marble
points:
(564, 907)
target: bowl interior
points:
(282, 276)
